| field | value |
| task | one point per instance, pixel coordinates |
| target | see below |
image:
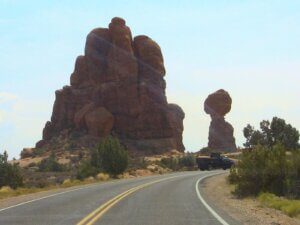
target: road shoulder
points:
(247, 211)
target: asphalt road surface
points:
(171, 199)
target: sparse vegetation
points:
(38, 152)
(188, 161)
(86, 169)
(267, 169)
(50, 164)
(32, 164)
(6, 191)
(10, 174)
(110, 156)
(289, 207)
(171, 163)
(102, 176)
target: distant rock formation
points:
(217, 105)
(117, 88)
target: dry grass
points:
(27, 161)
(6, 192)
(102, 176)
(289, 207)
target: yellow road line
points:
(99, 212)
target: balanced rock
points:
(220, 138)
(218, 103)
(117, 88)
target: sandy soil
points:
(248, 211)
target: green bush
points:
(86, 170)
(271, 133)
(171, 163)
(188, 161)
(10, 175)
(110, 156)
(50, 164)
(265, 169)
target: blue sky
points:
(250, 48)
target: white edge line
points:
(64, 192)
(213, 212)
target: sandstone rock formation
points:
(117, 88)
(217, 105)
(27, 152)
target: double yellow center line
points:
(99, 212)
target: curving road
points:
(171, 199)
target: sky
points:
(249, 48)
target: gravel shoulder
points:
(248, 211)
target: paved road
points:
(169, 199)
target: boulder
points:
(218, 103)
(27, 153)
(79, 117)
(99, 122)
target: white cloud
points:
(7, 97)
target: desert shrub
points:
(267, 169)
(96, 160)
(10, 174)
(86, 169)
(50, 164)
(171, 163)
(69, 146)
(102, 176)
(38, 152)
(110, 156)
(66, 183)
(137, 163)
(70, 183)
(187, 160)
(233, 175)
(32, 164)
(5, 189)
(42, 183)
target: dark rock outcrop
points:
(217, 105)
(117, 88)
(27, 152)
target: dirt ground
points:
(248, 211)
